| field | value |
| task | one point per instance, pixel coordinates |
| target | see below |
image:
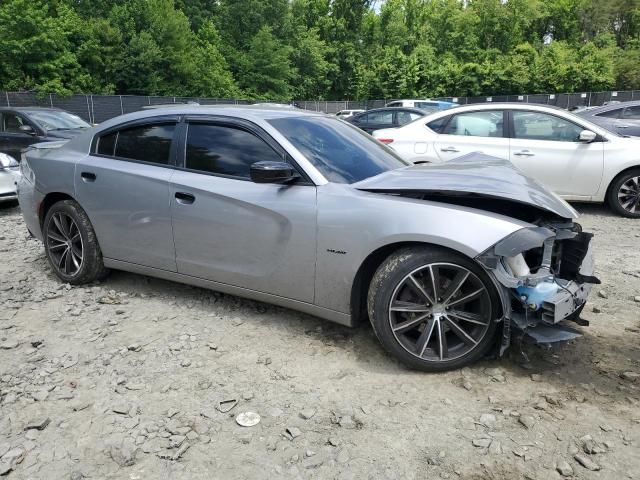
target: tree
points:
(266, 70)
(35, 48)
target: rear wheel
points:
(433, 309)
(624, 194)
(71, 245)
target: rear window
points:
(610, 114)
(147, 143)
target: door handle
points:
(524, 153)
(185, 198)
(88, 176)
(623, 126)
(450, 149)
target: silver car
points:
(306, 211)
(621, 117)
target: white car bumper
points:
(8, 179)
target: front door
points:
(547, 147)
(479, 131)
(123, 185)
(14, 140)
(231, 230)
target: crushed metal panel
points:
(551, 334)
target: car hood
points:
(475, 174)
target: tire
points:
(624, 194)
(71, 245)
(416, 340)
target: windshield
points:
(54, 120)
(341, 152)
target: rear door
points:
(123, 185)
(476, 131)
(546, 147)
(13, 140)
(231, 230)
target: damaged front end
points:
(544, 274)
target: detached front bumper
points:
(544, 276)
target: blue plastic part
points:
(534, 296)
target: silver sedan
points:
(306, 211)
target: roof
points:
(493, 105)
(608, 108)
(249, 112)
(393, 109)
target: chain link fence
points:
(98, 108)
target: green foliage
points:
(319, 49)
(266, 70)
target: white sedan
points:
(577, 159)
(9, 172)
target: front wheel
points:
(433, 309)
(71, 244)
(624, 194)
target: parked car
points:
(24, 126)
(303, 210)
(425, 103)
(622, 118)
(391, 117)
(577, 159)
(344, 114)
(9, 172)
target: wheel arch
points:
(364, 274)
(48, 201)
(614, 177)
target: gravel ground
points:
(138, 378)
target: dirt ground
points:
(124, 379)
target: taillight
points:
(386, 140)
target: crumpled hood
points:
(473, 174)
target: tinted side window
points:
(541, 126)
(427, 105)
(632, 113)
(107, 144)
(384, 118)
(610, 114)
(438, 124)
(406, 117)
(225, 150)
(149, 143)
(487, 123)
(11, 123)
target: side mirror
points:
(27, 129)
(272, 172)
(587, 136)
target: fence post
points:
(121, 106)
(86, 97)
(51, 100)
(8, 102)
